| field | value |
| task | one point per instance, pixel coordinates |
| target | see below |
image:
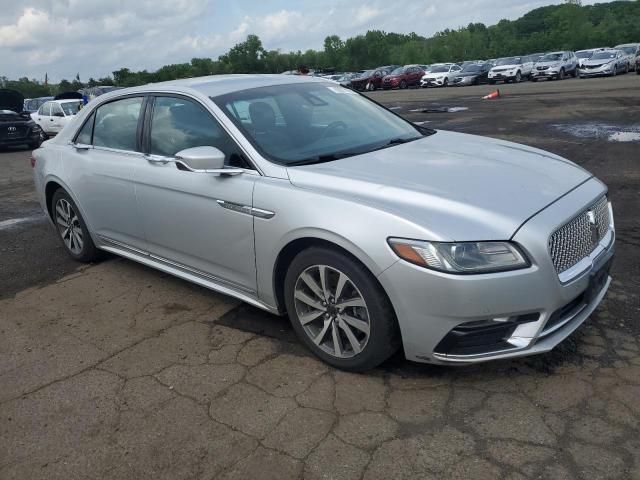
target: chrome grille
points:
(575, 240)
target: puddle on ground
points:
(395, 108)
(613, 133)
(421, 123)
(440, 109)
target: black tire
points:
(403, 85)
(533, 79)
(637, 71)
(33, 146)
(88, 252)
(561, 74)
(518, 78)
(446, 82)
(492, 82)
(384, 337)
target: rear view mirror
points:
(205, 160)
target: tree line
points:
(569, 26)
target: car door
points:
(102, 160)
(42, 117)
(57, 118)
(455, 69)
(199, 222)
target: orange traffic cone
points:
(492, 95)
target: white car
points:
(440, 75)
(52, 116)
(511, 69)
(630, 51)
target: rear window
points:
(116, 124)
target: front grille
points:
(543, 68)
(592, 66)
(579, 237)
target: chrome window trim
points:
(132, 153)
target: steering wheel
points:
(331, 127)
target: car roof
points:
(627, 45)
(215, 85)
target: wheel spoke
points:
(355, 345)
(352, 302)
(60, 221)
(71, 241)
(323, 280)
(310, 316)
(356, 323)
(318, 339)
(61, 212)
(337, 347)
(311, 283)
(78, 240)
(303, 297)
(342, 280)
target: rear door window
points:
(45, 109)
(116, 124)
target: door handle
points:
(158, 159)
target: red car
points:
(403, 77)
(371, 79)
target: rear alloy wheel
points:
(72, 229)
(339, 311)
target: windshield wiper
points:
(322, 158)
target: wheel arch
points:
(51, 186)
(294, 246)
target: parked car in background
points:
(371, 79)
(583, 55)
(371, 233)
(638, 64)
(605, 62)
(33, 104)
(472, 74)
(403, 77)
(55, 114)
(16, 126)
(510, 69)
(440, 75)
(555, 65)
(630, 51)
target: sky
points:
(95, 37)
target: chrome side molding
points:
(246, 209)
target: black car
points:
(473, 74)
(17, 128)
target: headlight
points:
(35, 128)
(460, 257)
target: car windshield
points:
(603, 55)
(472, 68)
(508, 61)
(365, 74)
(71, 108)
(297, 124)
(551, 57)
(628, 50)
(398, 71)
(584, 54)
(440, 69)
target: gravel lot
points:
(116, 371)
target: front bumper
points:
(463, 81)
(501, 76)
(549, 73)
(596, 72)
(539, 310)
(31, 137)
(432, 82)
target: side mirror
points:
(205, 160)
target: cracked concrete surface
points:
(118, 371)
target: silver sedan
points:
(302, 197)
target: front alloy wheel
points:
(339, 310)
(332, 311)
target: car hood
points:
(11, 100)
(506, 67)
(468, 74)
(547, 64)
(435, 74)
(458, 186)
(598, 62)
(392, 77)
